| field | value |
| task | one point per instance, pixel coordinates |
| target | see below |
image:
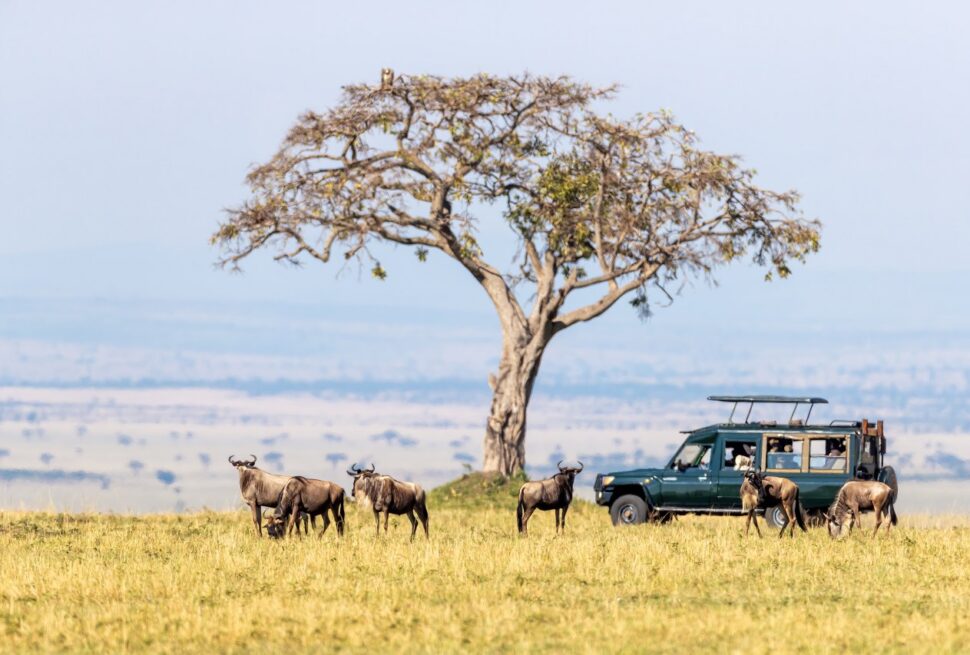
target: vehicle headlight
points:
(648, 479)
(607, 480)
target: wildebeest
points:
(259, 488)
(552, 493)
(389, 496)
(857, 496)
(314, 498)
(761, 491)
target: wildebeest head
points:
(275, 526)
(570, 471)
(833, 521)
(243, 463)
(757, 480)
(362, 480)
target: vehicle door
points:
(688, 480)
(828, 468)
(736, 453)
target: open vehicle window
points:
(738, 455)
(692, 455)
(783, 454)
(828, 454)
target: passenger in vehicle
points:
(835, 456)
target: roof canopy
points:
(770, 399)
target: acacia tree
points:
(600, 208)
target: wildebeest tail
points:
(340, 506)
(519, 509)
(892, 511)
(798, 511)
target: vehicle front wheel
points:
(628, 510)
(775, 516)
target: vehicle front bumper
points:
(603, 496)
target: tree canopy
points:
(597, 203)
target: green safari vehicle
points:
(704, 475)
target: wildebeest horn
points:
(353, 471)
(252, 460)
(559, 465)
(232, 460)
(371, 469)
(581, 467)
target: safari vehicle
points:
(704, 475)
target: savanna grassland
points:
(203, 583)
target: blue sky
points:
(127, 127)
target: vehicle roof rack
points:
(811, 401)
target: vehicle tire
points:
(775, 517)
(628, 510)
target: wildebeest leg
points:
(877, 508)
(852, 518)
(387, 515)
(790, 512)
(306, 524)
(423, 515)
(326, 524)
(525, 519)
(414, 523)
(747, 523)
(781, 533)
(564, 518)
(557, 520)
(257, 518)
(294, 522)
(377, 518)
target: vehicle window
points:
(692, 455)
(783, 453)
(828, 454)
(738, 455)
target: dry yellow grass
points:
(203, 583)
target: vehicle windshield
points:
(692, 455)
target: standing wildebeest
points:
(759, 490)
(552, 493)
(857, 496)
(259, 488)
(314, 498)
(389, 496)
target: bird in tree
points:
(387, 78)
(600, 208)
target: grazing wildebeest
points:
(857, 496)
(314, 498)
(552, 493)
(761, 491)
(259, 488)
(389, 496)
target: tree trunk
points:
(504, 449)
